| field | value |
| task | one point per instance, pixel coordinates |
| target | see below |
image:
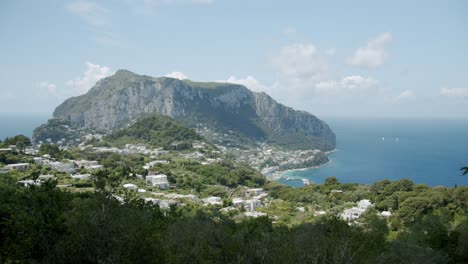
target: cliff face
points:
(124, 97)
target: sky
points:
(330, 58)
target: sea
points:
(426, 151)
(11, 125)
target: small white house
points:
(212, 200)
(46, 177)
(254, 214)
(27, 183)
(159, 181)
(254, 191)
(352, 213)
(81, 176)
(237, 202)
(385, 214)
(364, 204)
(18, 166)
(130, 186)
(252, 205)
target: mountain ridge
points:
(125, 96)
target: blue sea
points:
(15, 125)
(429, 151)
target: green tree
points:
(51, 149)
(20, 141)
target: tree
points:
(331, 181)
(51, 149)
(20, 141)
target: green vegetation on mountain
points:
(56, 129)
(156, 131)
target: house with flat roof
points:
(159, 180)
(18, 166)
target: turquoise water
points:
(14, 125)
(427, 151)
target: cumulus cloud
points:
(299, 61)
(354, 84)
(252, 84)
(92, 74)
(48, 87)
(405, 95)
(90, 12)
(373, 54)
(149, 7)
(176, 75)
(454, 92)
(330, 51)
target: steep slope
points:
(119, 99)
(156, 131)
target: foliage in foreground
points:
(47, 225)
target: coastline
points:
(280, 174)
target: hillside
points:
(125, 97)
(156, 131)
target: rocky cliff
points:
(124, 97)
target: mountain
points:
(124, 97)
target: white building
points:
(385, 214)
(252, 205)
(81, 176)
(364, 204)
(46, 177)
(27, 183)
(130, 186)
(159, 181)
(212, 200)
(254, 191)
(18, 166)
(254, 214)
(352, 213)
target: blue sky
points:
(331, 58)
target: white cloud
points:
(330, 51)
(203, 2)
(299, 61)
(354, 84)
(454, 92)
(92, 74)
(48, 87)
(176, 75)
(90, 12)
(405, 95)
(149, 7)
(373, 54)
(289, 31)
(252, 83)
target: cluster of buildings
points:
(357, 211)
(132, 149)
(270, 160)
(69, 166)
